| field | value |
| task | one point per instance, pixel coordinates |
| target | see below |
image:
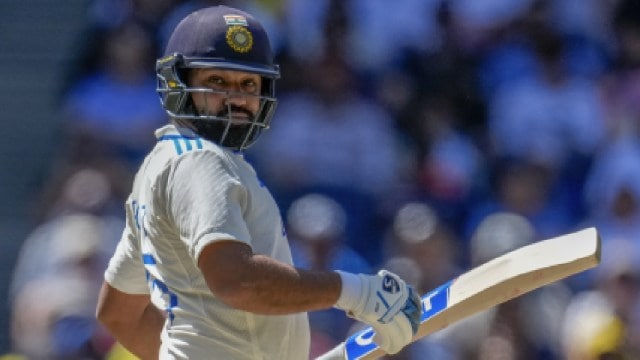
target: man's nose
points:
(236, 98)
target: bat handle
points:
(337, 353)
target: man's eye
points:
(215, 80)
(249, 84)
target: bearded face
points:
(226, 105)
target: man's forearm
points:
(260, 284)
(274, 288)
(142, 337)
(280, 288)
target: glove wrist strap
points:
(351, 291)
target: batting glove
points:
(385, 302)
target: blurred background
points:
(423, 136)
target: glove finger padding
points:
(394, 335)
(413, 309)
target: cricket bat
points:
(490, 284)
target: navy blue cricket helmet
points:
(224, 38)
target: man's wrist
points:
(350, 292)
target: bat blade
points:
(490, 284)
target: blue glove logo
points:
(390, 284)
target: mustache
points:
(232, 108)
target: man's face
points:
(238, 95)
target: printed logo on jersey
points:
(139, 212)
(158, 288)
(183, 144)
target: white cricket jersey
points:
(189, 193)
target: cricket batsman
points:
(203, 269)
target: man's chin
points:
(214, 130)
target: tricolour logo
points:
(235, 20)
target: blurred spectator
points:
(498, 234)
(340, 138)
(432, 346)
(316, 229)
(621, 85)
(55, 290)
(528, 326)
(62, 260)
(603, 323)
(452, 165)
(305, 29)
(507, 55)
(477, 21)
(540, 109)
(332, 139)
(113, 112)
(99, 188)
(407, 24)
(495, 235)
(418, 234)
(525, 189)
(584, 19)
(77, 212)
(345, 29)
(73, 237)
(586, 28)
(423, 250)
(549, 118)
(522, 328)
(612, 195)
(113, 13)
(317, 226)
(442, 118)
(53, 318)
(444, 78)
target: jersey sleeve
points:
(206, 201)
(125, 271)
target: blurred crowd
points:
(421, 136)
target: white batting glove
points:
(385, 302)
